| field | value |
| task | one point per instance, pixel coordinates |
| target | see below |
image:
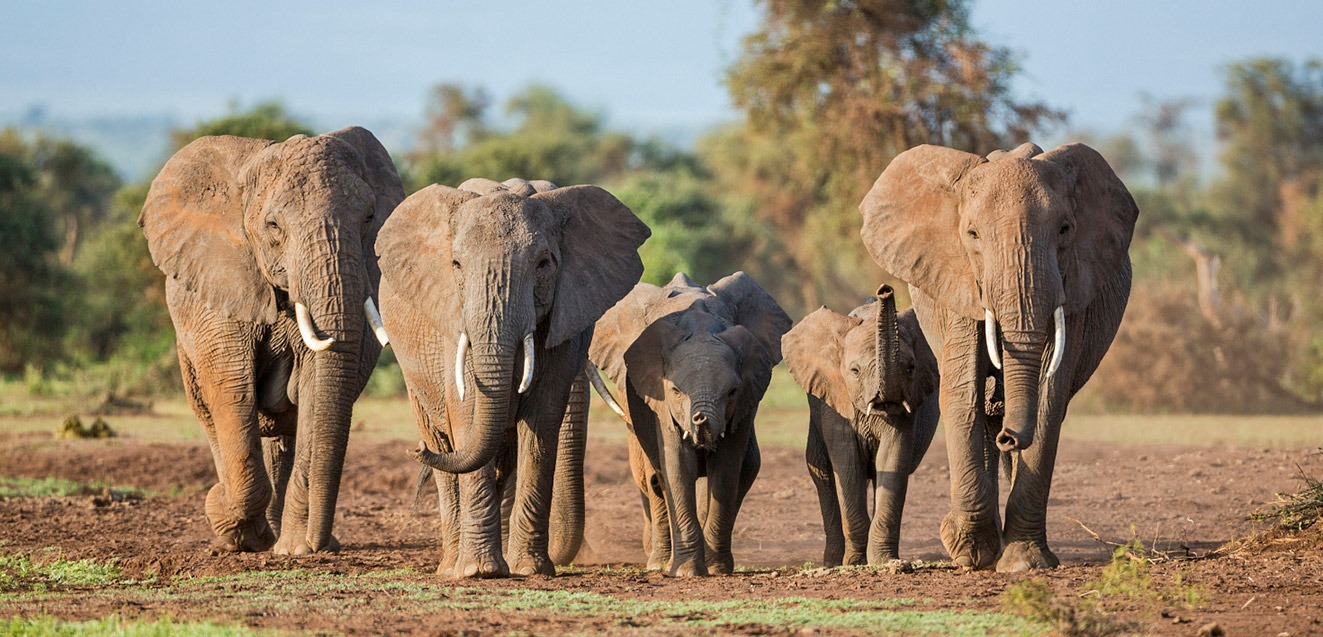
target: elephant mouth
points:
(890, 408)
(701, 436)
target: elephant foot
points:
(486, 567)
(236, 535)
(1024, 555)
(721, 563)
(854, 558)
(687, 568)
(971, 545)
(298, 544)
(533, 565)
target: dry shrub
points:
(1169, 357)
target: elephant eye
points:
(1065, 227)
(455, 264)
(732, 391)
(675, 391)
(909, 369)
(854, 371)
(973, 234)
(544, 263)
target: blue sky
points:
(648, 65)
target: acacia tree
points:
(831, 92)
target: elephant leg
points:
(656, 522)
(678, 476)
(294, 517)
(506, 482)
(278, 453)
(479, 550)
(970, 530)
(850, 475)
(731, 471)
(820, 470)
(447, 491)
(223, 397)
(541, 413)
(891, 467)
(1025, 534)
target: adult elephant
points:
(871, 381)
(270, 277)
(1019, 258)
(490, 292)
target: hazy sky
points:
(649, 65)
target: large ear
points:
(414, 249)
(599, 256)
(379, 172)
(911, 225)
(926, 379)
(813, 350)
(755, 309)
(193, 221)
(1105, 215)
(645, 358)
(617, 330)
(755, 365)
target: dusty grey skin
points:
(693, 362)
(871, 381)
(246, 230)
(1023, 238)
(502, 264)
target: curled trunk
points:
(493, 369)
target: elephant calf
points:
(871, 380)
(693, 363)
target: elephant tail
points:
(424, 477)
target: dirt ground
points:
(1183, 501)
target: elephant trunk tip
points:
(1010, 440)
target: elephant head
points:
(703, 356)
(874, 361)
(504, 270)
(1023, 240)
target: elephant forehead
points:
(500, 219)
(702, 355)
(1011, 187)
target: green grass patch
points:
(1296, 512)
(48, 487)
(51, 627)
(19, 572)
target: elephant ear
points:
(193, 221)
(414, 247)
(755, 366)
(645, 358)
(1105, 216)
(813, 350)
(378, 171)
(926, 379)
(599, 256)
(912, 221)
(617, 330)
(755, 309)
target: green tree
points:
(264, 120)
(831, 92)
(33, 286)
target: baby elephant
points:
(872, 382)
(693, 363)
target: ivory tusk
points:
(527, 380)
(990, 335)
(595, 377)
(868, 411)
(374, 319)
(906, 405)
(460, 352)
(307, 330)
(1058, 341)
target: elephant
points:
(490, 292)
(270, 284)
(871, 381)
(1019, 268)
(693, 363)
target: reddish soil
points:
(1182, 501)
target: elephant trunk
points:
(567, 503)
(333, 287)
(890, 377)
(493, 371)
(1030, 318)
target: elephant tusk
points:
(990, 335)
(1058, 341)
(906, 405)
(459, 362)
(595, 377)
(307, 330)
(868, 411)
(529, 346)
(374, 319)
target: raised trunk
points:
(890, 377)
(567, 505)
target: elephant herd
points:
(502, 300)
